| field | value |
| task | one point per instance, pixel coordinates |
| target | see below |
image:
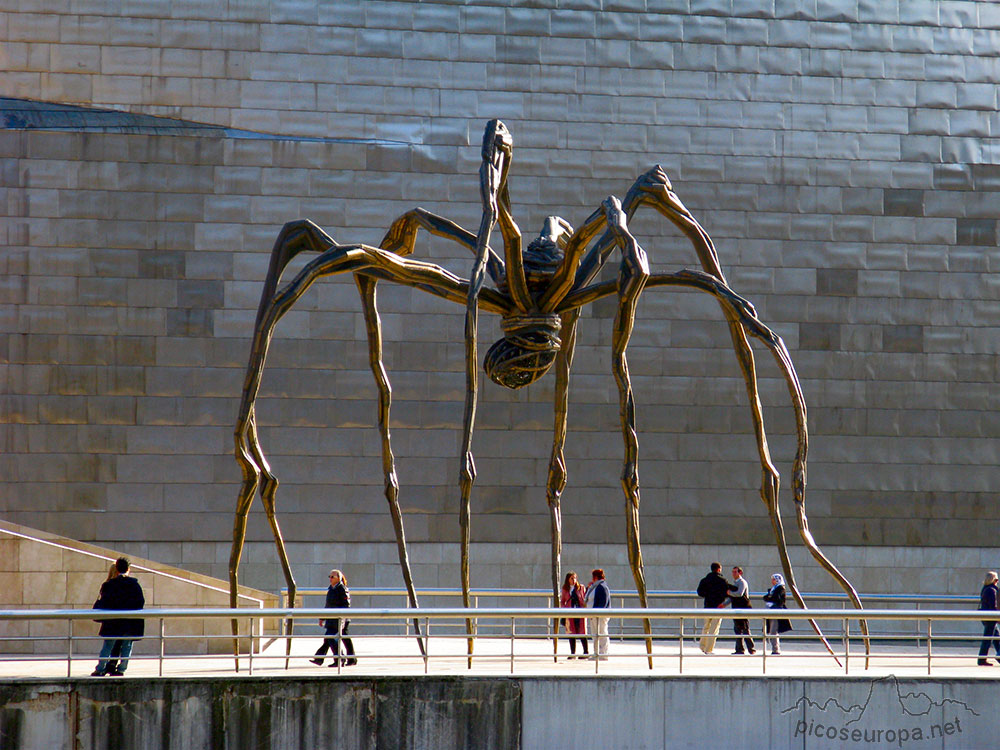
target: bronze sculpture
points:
(538, 292)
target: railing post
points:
(250, 650)
(680, 649)
(597, 645)
(847, 645)
(928, 647)
(69, 648)
(763, 651)
(512, 645)
(340, 644)
(427, 642)
(162, 647)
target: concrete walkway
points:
(399, 656)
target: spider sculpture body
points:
(538, 292)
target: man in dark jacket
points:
(122, 592)
(714, 589)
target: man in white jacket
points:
(598, 596)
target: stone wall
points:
(841, 154)
(44, 571)
(503, 713)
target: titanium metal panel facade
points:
(841, 154)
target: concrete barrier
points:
(529, 713)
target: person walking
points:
(338, 596)
(574, 597)
(598, 596)
(119, 592)
(739, 598)
(714, 589)
(775, 599)
(991, 633)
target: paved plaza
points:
(381, 656)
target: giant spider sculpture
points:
(538, 292)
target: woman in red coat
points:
(573, 598)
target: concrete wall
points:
(841, 154)
(39, 570)
(447, 714)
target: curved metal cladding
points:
(841, 159)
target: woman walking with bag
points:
(775, 599)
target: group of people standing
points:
(717, 592)
(595, 596)
(122, 592)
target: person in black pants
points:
(739, 596)
(337, 597)
(991, 634)
(122, 592)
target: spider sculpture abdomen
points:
(530, 340)
(526, 351)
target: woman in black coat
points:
(988, 603)
(337, 597)
(775, 599)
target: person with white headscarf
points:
(991, 634)
(775, 599)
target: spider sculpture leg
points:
(402, 237)
(560, 284)
(295, 237)
(632, 276)
(557, 463)
(337, 259)
(366, 287)
(742, 311)
(492, 189)
(653, 188)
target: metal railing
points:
(662, 597)
(529, 632)
(622, 597)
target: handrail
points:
(540, 613)
(497, 623)
(136, 567)
(631, 594)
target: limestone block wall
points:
(39, 570)
(841, 154)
